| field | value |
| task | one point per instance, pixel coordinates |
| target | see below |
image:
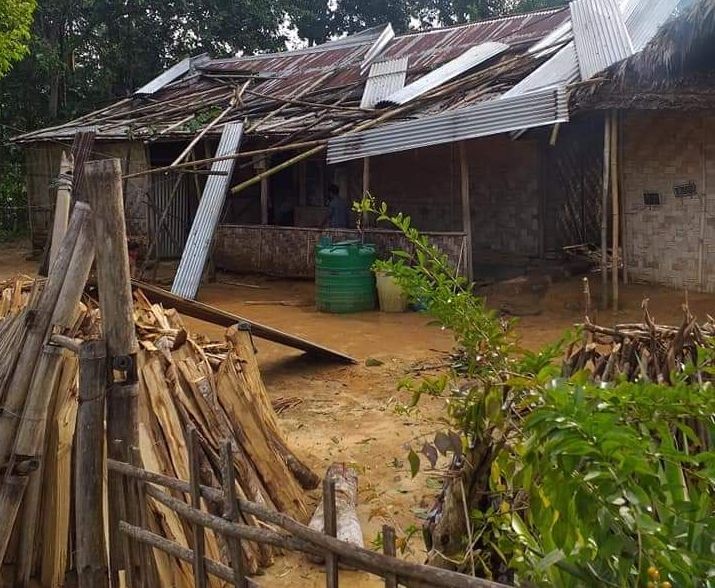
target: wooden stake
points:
(331, 529)
(389, 548)
(62, 208)
(615, 225)
(195, 481)
(265, 191)
(231, 513)
(365, 176)
(466, 209)
(91, 562)
(104, 188)
(604, 208)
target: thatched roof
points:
(676, 70)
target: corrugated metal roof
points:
(173, 73)
(600, 34)
(385, 78)
(430, 49)
(191, 267)
(450, 70)
(502, 115)
(644, 17)
(561, 69)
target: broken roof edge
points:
(493, 117)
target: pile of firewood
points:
(640, 350)
(185, 383)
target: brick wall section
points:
(661, 150)
(290, 251)
(504, 185)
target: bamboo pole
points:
(604, 208)
(104, 189)
(201, 134)
(615, 225)
(62, 208)
(37, 334)
(91, 558)
(466, 208)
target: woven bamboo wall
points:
(660, 151)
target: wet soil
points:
(349, 413)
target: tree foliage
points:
(15, 21)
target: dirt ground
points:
(347, 413)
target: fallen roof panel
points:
(542, 107)
(211, 314)
(559, 70)
(600, 34)
(385, 78)
(444, 73)
(172, 74)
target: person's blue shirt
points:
(338, 213)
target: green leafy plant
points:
(563, 481)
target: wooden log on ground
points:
(103, 182)
(231, 513)
(91, 558)
(346, 492)
(330, 528)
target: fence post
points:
(103, 183)
(89, 442)
(389, 548)
(199, 538)
(330, 527)
(231, 513)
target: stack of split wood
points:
(640, 350)
(185, 383)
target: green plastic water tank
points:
(344, 281)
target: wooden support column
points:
(265, 189)
(604, 208)
(91, 556)
(365, 176)
(103, 181)
(466, 209)
(615, 207)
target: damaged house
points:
(490, 135)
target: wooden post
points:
(265, 189)
(62, 208)
(103, 181)
(195, 480)
(231, 513)
(703, 214)
(365, 176)
(604, 208)
(466, 209)
(91, 555)
(389, 548)
(616, 207)
(330, 522)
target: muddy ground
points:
(348, 413)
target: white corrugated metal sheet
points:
(172, 74)
(380, 43)
(450, 70)
(191, 267)
(559, 70)
(551, 42)
(600, 34)
(644, 17)
(386, 78)
(542, 107)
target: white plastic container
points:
(391, 296)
